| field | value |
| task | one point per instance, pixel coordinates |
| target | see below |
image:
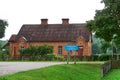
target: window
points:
(60, 50)
(22, 47)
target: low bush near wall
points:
(94, 57)
(104, 57)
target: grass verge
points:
(65, 72)
(59, 72)
(114, 74)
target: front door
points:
(15, 52)
(80, 51)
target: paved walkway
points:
(13, 67)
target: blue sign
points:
(71, 47)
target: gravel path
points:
(13, 67)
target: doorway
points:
(15, 51)
(80, 51)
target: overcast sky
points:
(19, 12)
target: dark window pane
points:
(60, 50)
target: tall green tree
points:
(106, 22)
(95, 49)
(104, 46)
(3, 25)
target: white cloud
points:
(19, 12)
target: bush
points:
(101, 57)
(50, 56)
(104, 57)
(44, 50)
(3, 55)
(95, 57)
(54, 57)
(35, 51)
(58, 57)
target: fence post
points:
(105, 68)
(102, 71)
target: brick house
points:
(56, 35)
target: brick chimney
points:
(65, 21)
(44, 21)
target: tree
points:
(3, 25)
(96, 45)
(99, 45)
(95, 49)
(104, 46)
(106, 22)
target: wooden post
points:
(68, 57)
(74, 58)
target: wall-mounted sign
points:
(71, 47)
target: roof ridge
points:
(56, 24)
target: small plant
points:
(58, 57)
(50, 56)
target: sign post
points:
(68, 58)
(69, 48)
(74, 58)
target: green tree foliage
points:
(95, 45)
(3, 25)
(2, 43)
(100, 46)
(95, 49)
(7, 50)
(104, 46)
(106, 22)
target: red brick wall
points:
(14, 47)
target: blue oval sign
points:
(71, 47)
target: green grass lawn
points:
(114, 74)
(59, 72)
(65, 72)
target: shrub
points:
(58, 57)
(36, 51)
(3, 55)
(104, 57)
(44, 50)
(101, 57)
(95, 57)
(50, 56)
